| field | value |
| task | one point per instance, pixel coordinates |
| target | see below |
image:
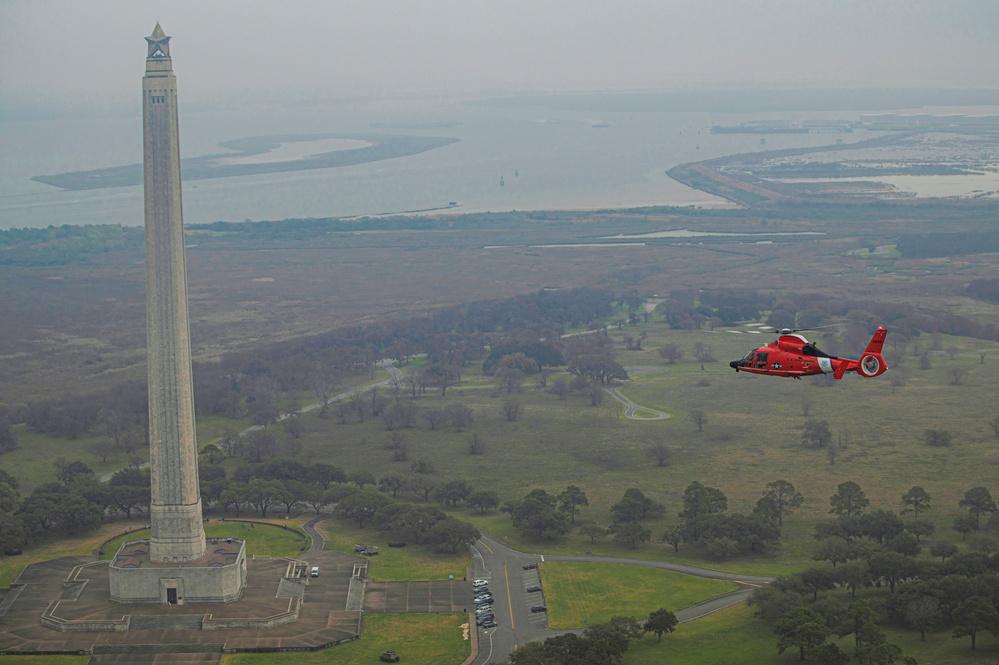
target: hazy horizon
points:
(58, 54)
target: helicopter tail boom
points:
(871, 362)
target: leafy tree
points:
(71, 472)
(8, 440)
(571, 500)
(13, 533)
(923, 613)
(360, 505)
(881, 525)
(783, 497)
(634, 506)
(943, 549)
(917, 499)
(978, 500)
(848, 500)
(964, 524)
(262, 494)
(920, 528)
(774, 601)
(827, 654)
(814, 580)
(538, 516)
(453, 492)
(631, 534)
(974, 615)
(593, 532)
(800, 628)
(700, 499)
(483, 500)
(661, 622)
(673, 536)
(816, 433)
(391, 484)
(452, 536)
(938, 438)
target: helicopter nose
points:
(734, 364)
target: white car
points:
(480, 583)
(485, 609)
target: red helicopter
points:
(794, 356)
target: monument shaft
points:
(175, 511)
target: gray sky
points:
(68, 52)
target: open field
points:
(421, 639)
(586, 594)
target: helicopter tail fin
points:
(871, 362)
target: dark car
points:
(539, 608)
(484, 601)
(489, 624)
(533, 588)
(484, 618)
(529, 566)
(389, 657)
(481, 591)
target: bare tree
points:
(702, 352)
(661, 453)
(561, 387)
(956, 374)
(671, 353)
(475, 445)
(459, 415)
(994, 424)
(699, 418)
(511, 409)
(103, 449)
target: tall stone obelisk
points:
(175, 511)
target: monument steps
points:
(166, 622)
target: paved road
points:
(503, 567)
(631, 407)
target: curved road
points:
(631, 407)
(503, 568)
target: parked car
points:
(484, 596)
(483, 603)
(389, 657)
(481, 591)
(484, 609)
(315, 571)
(478, 583)
(484, 618)
(529, 566)
(533, 588)
(489, 624)
(539, 608)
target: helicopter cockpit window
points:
(761, 358)
(810, 349)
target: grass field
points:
(262, 540)
(585, 594)
(419, 639)
(393, 563)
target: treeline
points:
(873, 577)
(69, 243)
(934, 245)
(703, 520)
(78, 503)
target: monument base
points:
(218, 577)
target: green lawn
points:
(393, 563)
(585, 594)
(728, 637)
(261, 540)
(419, 639)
